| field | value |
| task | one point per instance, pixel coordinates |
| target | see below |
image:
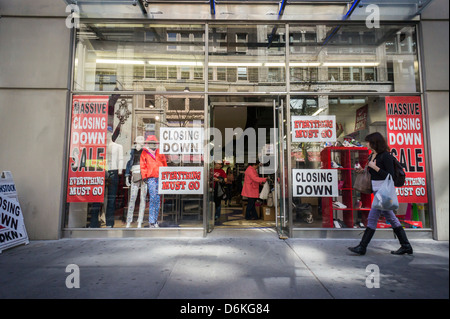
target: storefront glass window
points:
(351, 119)
(139, 57)
(136, 161)
(163, 68)
(247, 58)
(383, 60)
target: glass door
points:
(257, 127)
(281, 181)
(209, 206)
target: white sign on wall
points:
(181, 140)
(180, 180)
(314, 128)
(12, 226)
(315, 183)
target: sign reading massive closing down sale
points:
(86, 178)
(405, 138)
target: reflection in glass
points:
(339, 57)
(247, 58)
(139, 57)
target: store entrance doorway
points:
(245, 129)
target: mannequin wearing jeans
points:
(133, 179)
(154, 201)
(150, 163)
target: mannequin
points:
(114, 160)
(150, 163)
(134, 179)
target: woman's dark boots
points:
(368, 234)
(366, 238)
(405, 245)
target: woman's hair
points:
(377, 142)
(256, 162)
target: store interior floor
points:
(233, 216)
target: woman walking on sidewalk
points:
(381, 163)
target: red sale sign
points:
(405, 138)
(86, 177)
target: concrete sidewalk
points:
(226, 265)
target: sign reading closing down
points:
(12, 226)
(315, 183)
(180, 180)
(181, 140)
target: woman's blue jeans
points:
(375, 214)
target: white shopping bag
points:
(265, 191)
(386, 197)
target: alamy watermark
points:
(73, 19)
(73, 280)
(373, 279)
(246, 146)
(373, 18)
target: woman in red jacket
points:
(150, 163)
(251, 189)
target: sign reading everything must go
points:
(314, 182)
(314, 128)
(180, 180)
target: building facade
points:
(87, 85)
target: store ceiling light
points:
(319, 111)
(176, 63)
(279, 64)
(351, 64)
(107, 61)
(293, 64)
(239, 64)
(243, 64)
(346, 101)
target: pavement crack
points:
(168, 276)
(309, 269)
